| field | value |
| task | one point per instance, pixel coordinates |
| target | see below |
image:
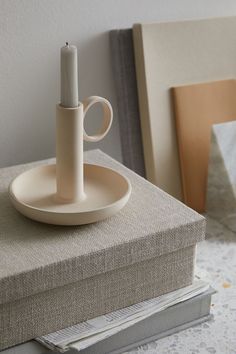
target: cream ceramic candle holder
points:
(71, 192)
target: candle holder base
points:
(33, 194)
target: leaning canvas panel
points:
(197, 107)
(168, 55)
(123, 64)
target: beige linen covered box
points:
(52, 277)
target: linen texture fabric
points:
(52, 277)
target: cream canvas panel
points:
(168, 55)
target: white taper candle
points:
(69, 76)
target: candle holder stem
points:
(69, 154)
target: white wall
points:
(31, 34)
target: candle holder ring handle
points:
(107, 117)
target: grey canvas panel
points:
(123, 63)
(35, 257)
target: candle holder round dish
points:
(71, 192)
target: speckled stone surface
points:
(217, 255)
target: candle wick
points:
(67, 43)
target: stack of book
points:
(64, 276)
(124, 329)
(138, 324)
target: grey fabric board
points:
(123, 64)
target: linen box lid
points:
(35, 257)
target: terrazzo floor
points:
(216, 255)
